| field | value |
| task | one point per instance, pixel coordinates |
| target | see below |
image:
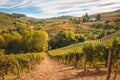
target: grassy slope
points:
(6, 20)
(107, 40)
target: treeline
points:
(24, 39)
(65, 38)
(94, 56)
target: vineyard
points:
(61, 47)
(107, 40)
(15, 65)
(101, 54)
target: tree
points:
(79, 38)
(35, 41)
(20, 27)
(14, 46)
(13, 42)
(98, 17)
(86, 18)
(65, 38)
(8, 37)
(40, 41)
(26, 40)
(2, 42)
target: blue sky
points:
(54, 8)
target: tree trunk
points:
(109, 64)
(85, 63)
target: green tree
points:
(14, 46)
(2, 42)
(79, 38)
(86, 18)
(35, 41)
(40, 41)
(98, 17)
(11, 36)
(65, 38)
(13, 42)
(26, 40)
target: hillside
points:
(6, 20)
(55, 25)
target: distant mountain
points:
(63, 17)
(17, 15)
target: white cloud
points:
(51, 8)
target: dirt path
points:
(51, 70)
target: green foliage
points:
(21, 27)
(65, 38)
(79, 38)
(38, 27)
(27, 41)
(12, 42)
(97, 26)
(86, 18)
(40, 41)
(35, 41)
(14, 46)
(11, 36)
(2, 42)
(98, 17)
(88, 49)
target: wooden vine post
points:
(29, 65)
(18, 69)
(85, 63)
(75, 60)
(109, 64)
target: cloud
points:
(52, 8)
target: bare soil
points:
(50, 69)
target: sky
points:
(54, 8)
